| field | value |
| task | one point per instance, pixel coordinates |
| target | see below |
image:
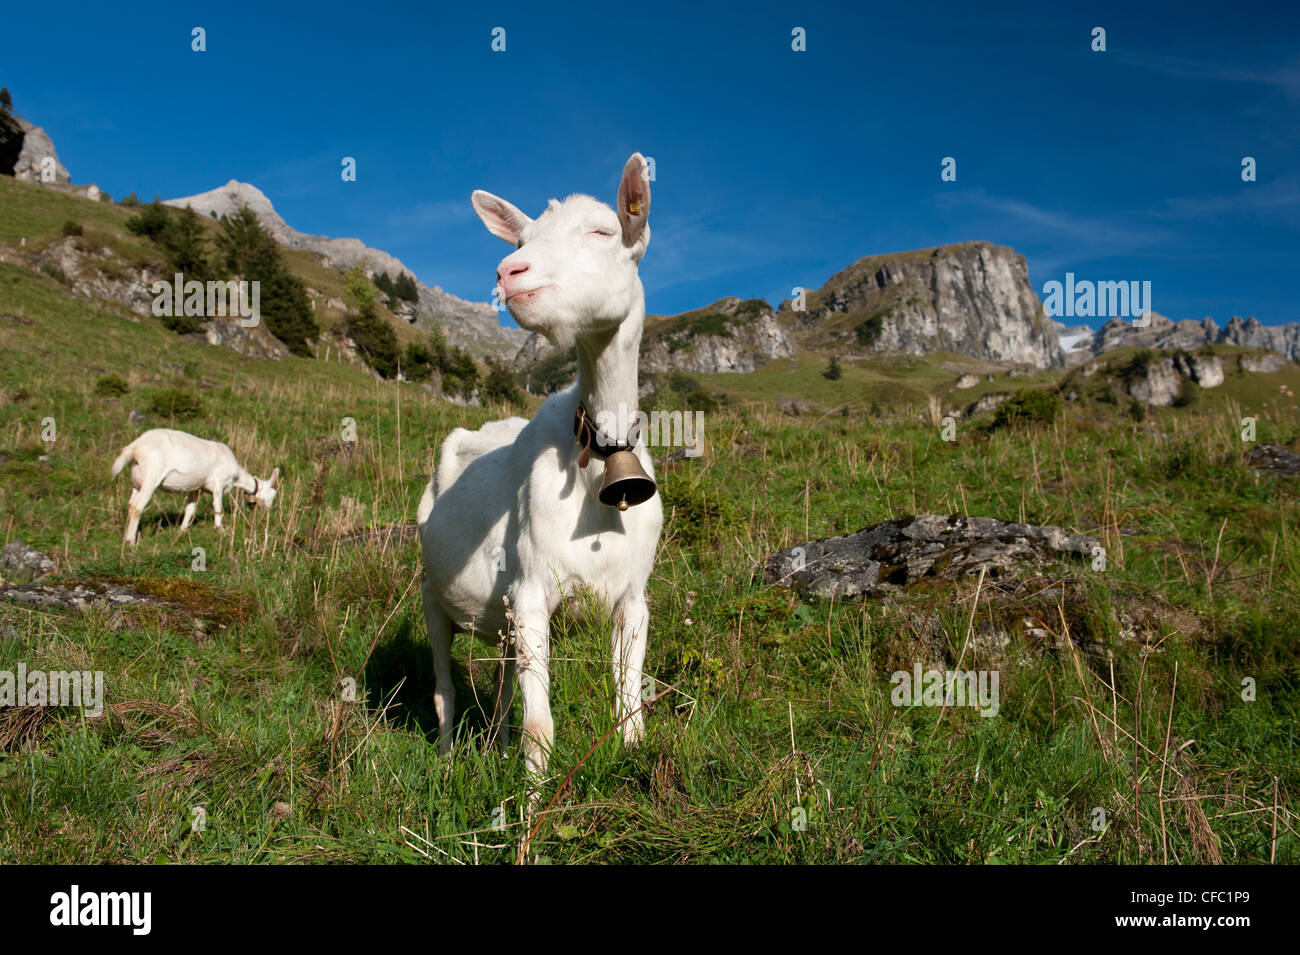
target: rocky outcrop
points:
(24, 149)
(251, 342)
(1187, 334)
(973, 299)
(471, 325)
(729, 336)
(103, 274)
(96, 273)
(889, 556)
(1160, 379)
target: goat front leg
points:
(217, 494)
(191, 506)
(532, 626)
(631, 630)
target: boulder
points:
(1273, 460)
(23, 564)
(794, 407)
(895, 554)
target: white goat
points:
(176, 461)
(512, 511)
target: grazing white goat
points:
(512, 512)
(176, 461)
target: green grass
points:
(1121, 688)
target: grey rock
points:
(24, 564)
(894, 554)
(252, 342)
(967, 381)
(1273, 459)
(794, 407)
(76, 596)
(985, 403)
(535, 349)
(1263, 364)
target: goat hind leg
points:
(439, 628)
(134, 508)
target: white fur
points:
(509, 514)
(176, 461)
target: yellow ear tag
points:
(634, 207)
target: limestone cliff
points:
(973, 299)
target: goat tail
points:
(123, 459)
(426, 504)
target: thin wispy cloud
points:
(1058, 238)
(1285, 78)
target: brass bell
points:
(626, 483)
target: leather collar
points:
(593, 441)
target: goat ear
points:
(502, 219)
(634, 199)
(274, 479)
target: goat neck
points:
(607, 370)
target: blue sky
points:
(773, 168)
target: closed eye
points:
(604, 232)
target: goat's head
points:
(264, 491)
(573, 271)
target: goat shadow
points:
(401, 670)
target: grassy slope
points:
(30, 212)
(247, 711)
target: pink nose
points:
(509, 277)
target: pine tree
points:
(185, 246)
(246, 247)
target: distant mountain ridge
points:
(1162, 332)
(971, 298)
(472, 325)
